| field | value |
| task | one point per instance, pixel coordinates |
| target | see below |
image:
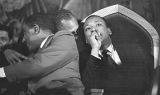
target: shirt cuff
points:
(2, 73)
(94, 60)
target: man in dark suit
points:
(112, 67)
(54, 64)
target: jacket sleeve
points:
(61, 51)
(90, 71)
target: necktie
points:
(109, 58)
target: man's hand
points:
(95, 43)
(13, 56)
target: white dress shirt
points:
(44, 41)
(2, 74)
(113, 53)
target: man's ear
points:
(109, 31)
(36, 28)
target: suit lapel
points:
(120, 52)
(50, 38)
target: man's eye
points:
(99, 24)
(87, 29)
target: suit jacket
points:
(133, 76)
(57, 60)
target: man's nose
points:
(93, 30)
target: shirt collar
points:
(110, 48)
(44, 41)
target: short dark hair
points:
(60, 15)
(45, 21)
(8, 30)
(106, 22)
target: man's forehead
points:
(93, 20)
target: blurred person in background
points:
(5, 37)
(17, 50)
(3, 16)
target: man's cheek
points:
(28, 44)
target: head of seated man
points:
(5, 35)
(95, 25)
(65, 20)
(36, 28)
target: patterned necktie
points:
(109, 58)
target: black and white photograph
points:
(79, 47)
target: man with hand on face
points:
(108, 66)
(53, 65)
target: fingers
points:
(94, 40)
(17, 57)
(98, 36)
(14, 57)
(20, 56)
(94, 36)
(8, 59)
